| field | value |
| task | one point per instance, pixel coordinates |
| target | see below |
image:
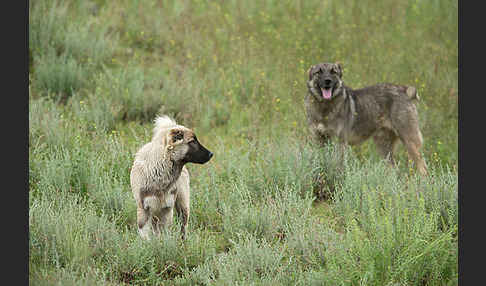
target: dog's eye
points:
(177, 137)
(333, 71)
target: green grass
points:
(270, 208)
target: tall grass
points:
(270, 208)
(67, 44)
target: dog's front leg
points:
(341, 149)
(142, 222)
(182, 203)
(162, 220)
(319, 134)
(182, 208)
(342, 145)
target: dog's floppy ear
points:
(309, 71)
(339, 68)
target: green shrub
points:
(67, 46)
(59, 76)
(66, 233)
(393, 224)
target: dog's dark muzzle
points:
(326, 83)
(198, 154)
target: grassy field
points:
(269, 208)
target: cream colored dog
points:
(159, 179)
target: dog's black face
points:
(197, 153)
(325, 80)
(184, 147)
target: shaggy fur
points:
(386, 112)
(159, 179)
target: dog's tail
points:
(412, 93)
(162, 123)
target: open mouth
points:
(326, 92)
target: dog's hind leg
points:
(405, 122)
(414, 154)
(386, 141)
(413, 142)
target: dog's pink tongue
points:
(326, 93)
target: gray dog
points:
(159, 179)
(386, 112)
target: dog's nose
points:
(327, 82)
(210, 155)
